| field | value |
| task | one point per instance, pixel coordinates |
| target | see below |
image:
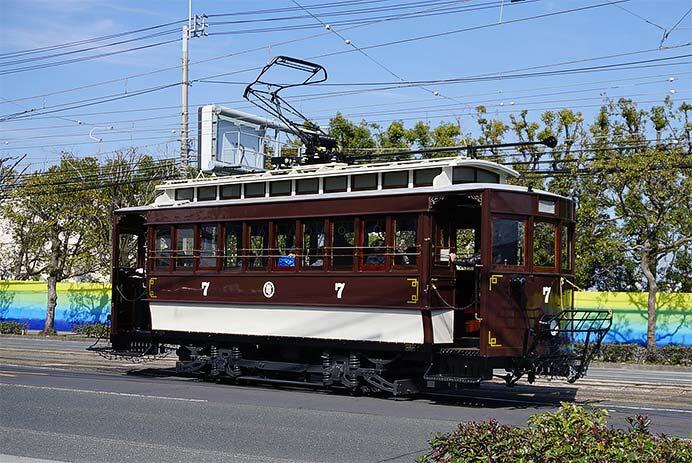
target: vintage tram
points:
(389, 276)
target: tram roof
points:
(443, 182)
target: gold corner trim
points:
(416, 287)
(493, 281)
(492, 342)
(150, 288)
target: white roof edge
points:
(352, 194)
(332, 169)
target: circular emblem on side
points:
(268, 289)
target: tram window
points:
(566, 248)
(230, 191)
(307, 186)
(233, 244)
(206, 193)
(343, 242)
(280, 188)
(127, 250)
(425, 177)
(335, 184)
(209, 237)
(255, 190)
(544, 250)
(397, 179)
(484, 176)
(374, 241)
(184, 194)
(313, 244)
(364, 182)
(184, 246)
(405, 241)
(442, 244)
(465, 243)
(259, 241)
(285, 245)
(509, 238)
(162, 247)
(463, 175)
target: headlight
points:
(554, 327)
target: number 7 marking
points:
(339, 288)
(205, 287)
(546, 292)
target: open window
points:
(566, 251)
(233, 246)
(544, 246)
(258, 243)
(374, 240)
(405, 241)
(343, 243)
(313, 244)
(285, 245)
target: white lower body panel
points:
(353, 324)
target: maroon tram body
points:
(422, 285)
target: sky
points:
(120, 97)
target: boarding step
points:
(470, 341)
(460, 351)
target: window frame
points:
(176, 257)
(569, 227)
(154, 257)
(556, 243)
(198, 246)
(325, 249)
(354, 254)
(247, 238)
(527, 234)
(360, 244)
(239, 250)
(274, 246)
(394, 219)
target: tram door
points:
(457, 269)
(129, 310)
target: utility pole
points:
(190, 30)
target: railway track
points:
(601, 387)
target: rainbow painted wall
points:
(90, 302)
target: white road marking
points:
(651, 409)
(87, 391)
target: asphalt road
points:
(85, 409)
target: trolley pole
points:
(184, 120)
(190, 30)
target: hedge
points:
(634, 353)
(92, 330)
(570, 434)
(12, 328)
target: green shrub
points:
(92, 330)
(570, 434)
(634, 353)
(12, 328)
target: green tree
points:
(351, 137)
(645, 190)
(52, 208)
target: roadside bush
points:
(12, 328)
(570, 434)
(92, 330)
(634, 353)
